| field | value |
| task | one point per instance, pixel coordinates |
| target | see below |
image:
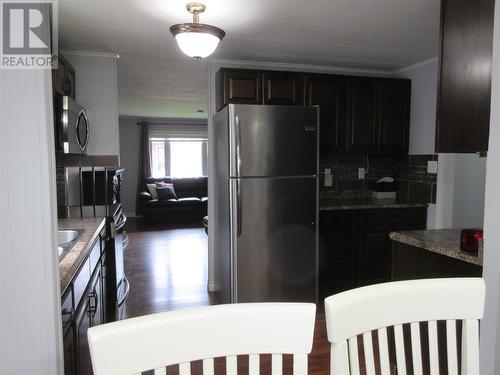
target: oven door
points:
(122, 284)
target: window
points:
(186, 158)
(178, 157)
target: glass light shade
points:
(197, 45)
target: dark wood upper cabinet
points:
(239, 86)
(357, 114)
(464, 82)
(281, 88)
(64, 78)
(394, 115)
(329, 93)
(362, 114)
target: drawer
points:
(67, 308)
(393, 218)
(80, 282)
(95, 254)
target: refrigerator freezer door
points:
(274, 239)
(273, 140)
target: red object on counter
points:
(470, 239)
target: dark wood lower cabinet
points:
(69, 351)
(410, 262)
(95, 307)
(354, 247)
(82, 324)
(374, 256)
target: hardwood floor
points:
(167, 270)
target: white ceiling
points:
(156, 79)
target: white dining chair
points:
(378, 307)
(179, 337)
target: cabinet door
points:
(82, 324)
(362, 114)
(394, 115)
(96, 301)
(69, 352)
(70, 83)
(329, 93)
(464, 81)
(240, 87)
(281, 88)
(374, 256)
(338, 246)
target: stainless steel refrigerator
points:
(266, 200)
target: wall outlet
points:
(432, 166)
(328, 171)
(361, 173)
(328, 180)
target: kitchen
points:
(38, 149)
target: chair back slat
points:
(277, 364)
(180, 337)
(399, 342)
(353, 355)
(416, 352)
(185, 368)
(160, 371)
(253, 364)
(451, 346)
(299, 364)
(433, 347)
(231, 365)
(470, 347)
(401, 305)
(368, 351)
(383, 347)
(339, 354)
(208, 366)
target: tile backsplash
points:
(413, 182)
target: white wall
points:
(30, 320)
(461, 177)
(423, 105)
(97, 91)
(490, 325)
(130, 134)
(470, 178)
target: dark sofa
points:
(190, 205)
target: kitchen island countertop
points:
(71, 262)
(440, 241)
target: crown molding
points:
(269, 65)
(89, 53)
(417, 65)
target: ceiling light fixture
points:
(196, 39)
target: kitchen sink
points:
(66, 238)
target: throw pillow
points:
(152, 190)
(165, 191)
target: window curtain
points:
(144, 163)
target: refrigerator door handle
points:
(238, 208)
(238, 146)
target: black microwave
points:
(72, 128)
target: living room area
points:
(164, 196)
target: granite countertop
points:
(359, 204)
(441, 241)
(75, 256)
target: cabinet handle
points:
(93, 303)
